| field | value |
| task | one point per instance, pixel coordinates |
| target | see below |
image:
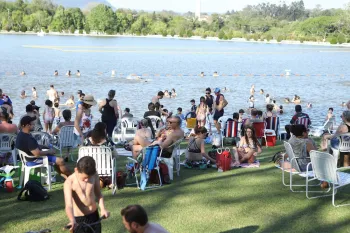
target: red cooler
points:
(270, 140)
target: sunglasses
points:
(208, 93)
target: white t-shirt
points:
(155, 228)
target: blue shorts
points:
(51, 158)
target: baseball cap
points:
(26, 120)
(217, 90)
(79, 92)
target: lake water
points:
(96, 57)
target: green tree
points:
(101, 18)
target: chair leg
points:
(14, 157)
(49, 176)
(26, 175)
(22, 175)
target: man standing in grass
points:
(81, 190)
(135, 220)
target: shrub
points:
(269, 37)
(182, 33)
(225, 37)
(341, 39)
(15, 28)
(72, 29)
(333, 40)
(229, 35)
(204, 35)
(81, 31)
(221, 35)
(171, 32)
(46, 30)
(255, 37)
(189, 33)
(109, 32)
(144, 31)
(164, 33)
(279, 38)
(23, 28)
(87, 29)
(302, 39)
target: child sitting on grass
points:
(81, 190)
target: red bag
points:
(223, 159)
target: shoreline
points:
(198, 38)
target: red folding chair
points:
(259, 128)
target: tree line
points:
(264, 21)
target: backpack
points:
(33, 191)
(164, 175)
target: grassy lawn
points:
(241, 200)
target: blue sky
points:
(210, 5)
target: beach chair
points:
(272, 125)
(324, 167)
(231, 130)
(259, 128)
(28, 165)
(175, 157)
(42, 138)
(344, 145)
(7, 145)
(128, 128)
(65, 139)
(150, 162)
(106, 165)
(294, 169)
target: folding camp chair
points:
(324, 167)
(259, 128)
(175, 157)
(106, 165)
(294, 168)
(231, 130)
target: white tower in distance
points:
(198, 9)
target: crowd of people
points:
(83, 181)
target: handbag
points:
(223, 159)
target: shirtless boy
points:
(81, 189)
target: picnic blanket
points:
(256, 164)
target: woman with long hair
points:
(202, 111)
(249, 146)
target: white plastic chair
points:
(344, 145)
(26, 169)
(174, 157)
(106, 165)
(65, 139)
(294, 166)
(156, 122)
(324, 167)
(42, 138)
(128, 128)
(6, 142)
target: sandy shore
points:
(181, 38)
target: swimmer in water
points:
(343, 104)
(202, 74)
(23, 73)
(34, 93)
(56, 73)
(281, 109)
(215, 74)
(287, 100)
(309, 105)
(23, 94)
(78, 73)
(173, 93)
(296, 99)
(261, 91)
(68, 73)
(166, 94)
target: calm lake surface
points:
(96, 57)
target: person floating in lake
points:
(23, 73)
(78, 73)
(309, 105)
(262, 91)
(166, 94)
(287, 100)
(281, 109)
(202, 74)
(68, 73)
(23, 94)
(296, 99)
(216, 74)
(173, 93)
(56, 73)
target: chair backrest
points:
(222, 121)
(42, 138)
(66, 136)
(129, 125)
(176, 146)
(24, 157)
(291, 155)
(102, 156)
(156, 122)
(6, 141)
(302, 121)
(273, 123)
(232, 129)
(324, 166)
(344, 145)
(259, 129)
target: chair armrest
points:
(343, 168)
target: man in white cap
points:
(88, 102)
(219, 105)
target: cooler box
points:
(271, 140)
(191, 123)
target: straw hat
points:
(89, 99)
